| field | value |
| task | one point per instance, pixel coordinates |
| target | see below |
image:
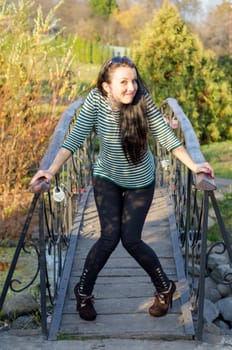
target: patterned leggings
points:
(122, 213)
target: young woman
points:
(122, 112)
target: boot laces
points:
(161, 297)
(85, 299)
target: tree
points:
(130, 20)
(216, 32)
(174, 63)
(103, 7)
(167, 53)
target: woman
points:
(123, 112)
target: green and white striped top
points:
(111, 162)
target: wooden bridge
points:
(123, 291)
(176, 228)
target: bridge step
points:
(123, 292)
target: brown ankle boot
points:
(85, 305)
(162, 302)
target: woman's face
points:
(123, 85)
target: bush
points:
(34, 84)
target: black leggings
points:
(122, 213)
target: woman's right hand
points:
(41, 181)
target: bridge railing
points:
(51, 214)
(190, 196)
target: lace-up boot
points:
(162, 301)
(85, 305)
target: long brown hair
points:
(133, 121)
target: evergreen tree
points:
(103, 7)
(174, 64)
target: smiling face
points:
(122, 87)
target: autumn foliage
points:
(34, 85)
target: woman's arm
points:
(184, 157)
(74, 140)
(47, 175)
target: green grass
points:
(219, 154)
(214, 233)
(86, 72)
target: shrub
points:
(34, 84)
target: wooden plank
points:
(158, 245)
(125, 326)
(121, 272)
(119, 280)
(122, 262)
(183, 284)
(118, 305)
(113, 290)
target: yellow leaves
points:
(93, 83)
(64, 88)
(127, 18)
(213, 131)
(45, 25)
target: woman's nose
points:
(131, 86)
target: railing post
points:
(43, 269)
(187, 223)
(201, 296)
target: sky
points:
(207, 5)
(211, 3)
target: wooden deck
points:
(123, 291)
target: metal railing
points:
(190, 196)
(51, 212)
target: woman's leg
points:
(136, 204)
(108, 198)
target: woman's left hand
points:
(204, 168)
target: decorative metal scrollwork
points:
(27, 248)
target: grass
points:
(87, 72)
(214, 233)
(219, 154)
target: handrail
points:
(202, 181)
(189, 196)
(59, 133)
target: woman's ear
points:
(106, 87)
